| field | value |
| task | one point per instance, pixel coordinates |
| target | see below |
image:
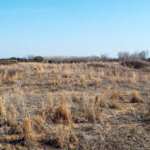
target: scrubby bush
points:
(137, 64)
(38, 59)
(7, 62)
(18, 59)
(73, 59)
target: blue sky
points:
(73, 27)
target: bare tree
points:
(136, 55)
(123, 55)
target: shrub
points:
(8, 62)
(38, 59)
(137, 64)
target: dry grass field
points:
(99, 106)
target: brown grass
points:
(2, 108)
(67, 73)
(74, 96)
(12, 116)
(83, 80)
(92, 109)
(74, 106)
(65, 137)
(136, 98)
(117, 94)
(62, 114)
(29, 135)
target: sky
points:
(73, 27)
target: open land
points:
(100, 106)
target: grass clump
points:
(28, 132)
(117, 94)
(2, 108)
(62, 114)
(66, 137)
(136, 98)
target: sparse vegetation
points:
(86, 105)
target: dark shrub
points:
(137, 64)
(7, 62)
(38, 59)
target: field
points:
(99, 106)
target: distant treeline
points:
(143, 55)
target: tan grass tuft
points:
(38, 125)
(66, 137)
(40, 70)
(91, 74)
(101, 103)
(136, 98)
(57, 80)
(95, 80)
(12, 116)
(48, 111)
(2, 108)
(117, 95)
(134, 77)
(92, 109)
(62, 114)
(29, 135)
(4, 75)
(74, 96)
(67, 73)
(16, 94)
(83, 80)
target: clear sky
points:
(73, 27)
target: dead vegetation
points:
(136, 98)
(74, 106)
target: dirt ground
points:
(99, 106)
